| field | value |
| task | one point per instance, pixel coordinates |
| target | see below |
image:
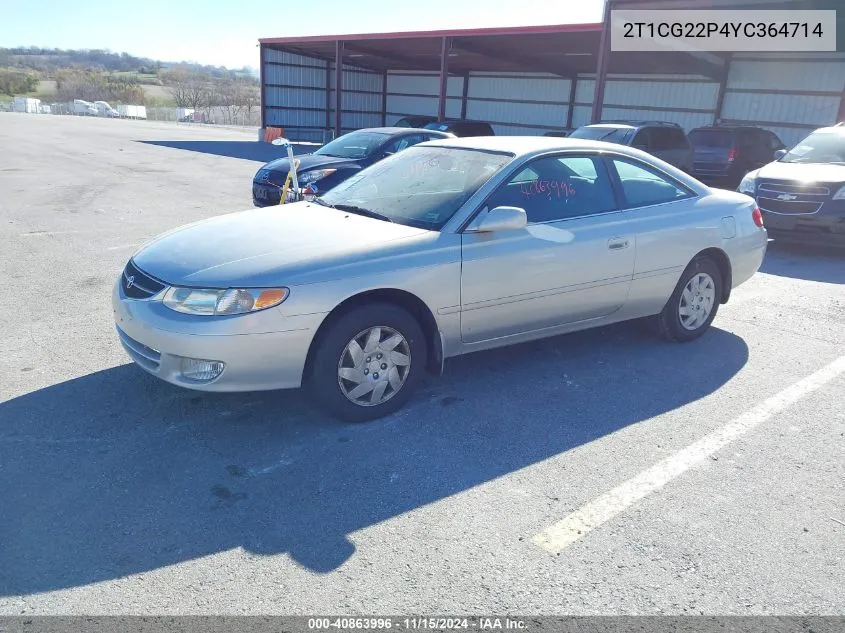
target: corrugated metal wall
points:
(689, 101)
(789, 94)
(417, 93)
(295, 93)
(296, 98)
(519, 103)
(361, 98)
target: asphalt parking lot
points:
(120, 494)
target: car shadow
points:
(812, 263)
(117, 473)
(245, 150)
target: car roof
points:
(524, 145)
(460, 122)
(631, 125)
(394, 130)
(730, 128)
(839, 128)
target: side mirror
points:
(280, 141)
(780, 154)
(500, 219)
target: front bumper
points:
(824, 228)
(267, 352)
(265, 195)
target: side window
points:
(642, 140)
(661, 139)
(746, 139)
(404, 142)
(776, 143)
(679, 140)
(643, 186)
(558, 188)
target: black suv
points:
(462, 128)
(724, 154)
(802, 193)
(665, 140)
(415, 120)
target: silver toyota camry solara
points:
(449, 247)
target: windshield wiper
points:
(351, 208)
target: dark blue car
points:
(802, 194)
(336, 161)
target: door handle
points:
(617, 243)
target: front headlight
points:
(214, 302)
(747, 185)
(314, 175)
(839, 195)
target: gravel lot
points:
(120, 494)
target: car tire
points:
(369, 363)
(694, 303)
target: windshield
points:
(711, 138)
(819, 147)
(353, 145)
(608, 134)
(420, 186)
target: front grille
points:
(146, 357)
(137, 284)
(800, 190)
(788, 207)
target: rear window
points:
(711, 138)
(608, 134)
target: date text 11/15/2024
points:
(416, 623)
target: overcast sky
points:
(225, 33)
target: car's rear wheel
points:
(694, 303)
(368, 363)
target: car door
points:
(657, 206)
(572, 262)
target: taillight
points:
(757, 215)
(732, 155)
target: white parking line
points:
(605, 507)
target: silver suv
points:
(665, 140)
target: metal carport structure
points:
(524, 79)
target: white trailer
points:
(132, 111)
(27, 104)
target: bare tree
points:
(232, 98)
(189, 88)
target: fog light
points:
(201, 370)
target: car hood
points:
(296, 243)
(306, 162)
(804, 172)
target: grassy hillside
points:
(119, 77)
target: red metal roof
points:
(507, 30)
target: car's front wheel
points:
(694, 303)
(368, 363)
